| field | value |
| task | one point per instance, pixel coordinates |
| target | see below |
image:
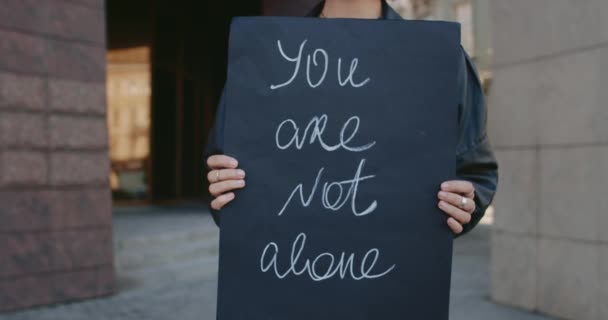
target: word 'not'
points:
(341, 198)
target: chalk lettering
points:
(339, 201)
(349, 78)
(316, 127)
(341, 265)
(297, 61)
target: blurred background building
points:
(474, 18)
(110, 102)
(548, 122)
(98, 96)
(55, 204)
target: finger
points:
(456, 213)
(464, 188)
(219, 202)
(221, 187)
(221, 161)
(455, 226)
(456, 200)
(225, 174)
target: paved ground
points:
(194, 299)
(469, 295)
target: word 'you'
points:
(320, 59)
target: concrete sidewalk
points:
(470, 282)
(194, 297)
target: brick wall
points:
(55, 203)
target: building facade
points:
(548, 122)
(55, 203)
(473, 16)
(160, 67)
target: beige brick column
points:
(549, 124)
(55, 203)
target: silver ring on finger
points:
(463, 202)
(217, 176)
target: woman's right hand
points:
(224, 178)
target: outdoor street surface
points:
(167, 261)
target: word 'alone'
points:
(324, 266)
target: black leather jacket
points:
(475, 161)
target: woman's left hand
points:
(456, 199)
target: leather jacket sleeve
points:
(475, 161)
(215, 145)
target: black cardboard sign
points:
(346, 128)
